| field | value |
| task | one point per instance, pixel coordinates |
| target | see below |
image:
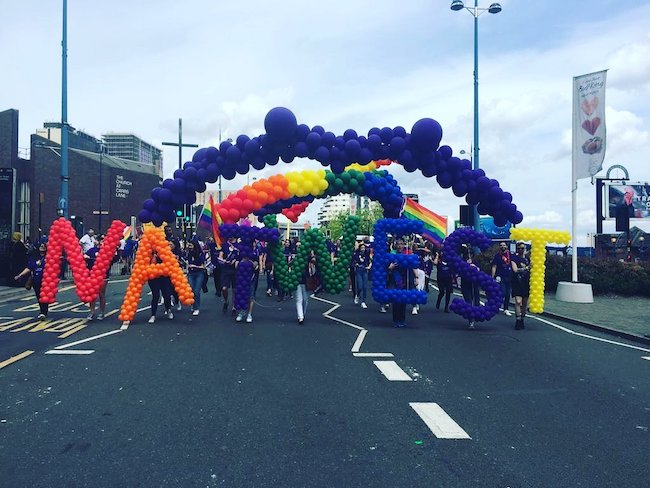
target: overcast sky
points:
(137, 66)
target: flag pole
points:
(574, 199)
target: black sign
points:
(6, 219)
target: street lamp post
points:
(63, 209)
(494, 8)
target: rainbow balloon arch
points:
(354, 163)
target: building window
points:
(23, 209)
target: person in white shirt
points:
(88, 241)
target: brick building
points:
(101, 187)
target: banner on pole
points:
(589, 133)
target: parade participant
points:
(307, 283)
(520, 283)
(160, 287)
(502, 273)
(424, 268)
(35, 267)
(361, 263)
(445, 280)
(255, 259)
(470, 290)
(267, 266)
(17, 256)
(87, 241)
(398, 278)
(195, 272)
(169, 236)
(180, 257)
(91, 258)
(227, 259)
(214, 250)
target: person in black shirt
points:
(35, 266)
(520, 283)
(502, 273)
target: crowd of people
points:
(204, 258)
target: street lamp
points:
(494, 8)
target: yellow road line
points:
(70, 332)
(13, 323)
(11, 360)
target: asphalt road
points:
(205, 401)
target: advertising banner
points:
(635, 195)
(589, 134)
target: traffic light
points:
(179, 213)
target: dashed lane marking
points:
(359, 341)
(646, 357)
(392, 371)
(13, 359)
(87, 339)
(440, 423)
(72, 352)
(373, 354)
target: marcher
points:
(88, 241)
(160, 286)
(227, 260)
(255, 259)
(361, 262)
(91, 258)
(520, 283)
(17, 256)
(35, 267)
(502, 273)
(469, 289)
(445, 279)
(398, 277)
(214, 250)
(307, 284)
(195, 272)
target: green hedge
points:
(605, 275)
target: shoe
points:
(179, 306)
(382, 309)
(471, 324)
(249, 318)
(414, 311)
(240, 317)
(437, 306)
(301, 321)
(169, 314)
(507, 313)
(100, 316)
(233, 312)
(363, 305)
(152, 319)
(396, 325)
(195, 312)
(90, 317)
(519, 324)
(356, 300)
(269, 293)
(41, 316)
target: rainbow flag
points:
(205, 219)
(435, 226)
(215, 222)
(127, 232)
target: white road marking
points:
(125, 325)
(441, 424)
(327, 313)
(359, 341)
(71, 351)
(64, 346)
(392, 371)
(373, 354)
(646, 357)
(6, 318)
(587, 336)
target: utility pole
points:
(180, 146)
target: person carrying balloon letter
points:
(520, 283)
(250, 260)
(227, 259)
(502, 273)
(361, 263)
(469, 289)
(195, 272)
(445, 279)
(91, 257)
(424, 269)
(307, 283)
(160, 287)
(398, 278)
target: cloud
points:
(546, 219)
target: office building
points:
(131, 147)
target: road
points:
(343, 401)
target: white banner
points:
(589, 134)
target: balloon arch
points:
(285, 140)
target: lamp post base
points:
(574, 292)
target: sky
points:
(221, 66)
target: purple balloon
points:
(280, 123)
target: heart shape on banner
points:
(591, 125)
(589, 106)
